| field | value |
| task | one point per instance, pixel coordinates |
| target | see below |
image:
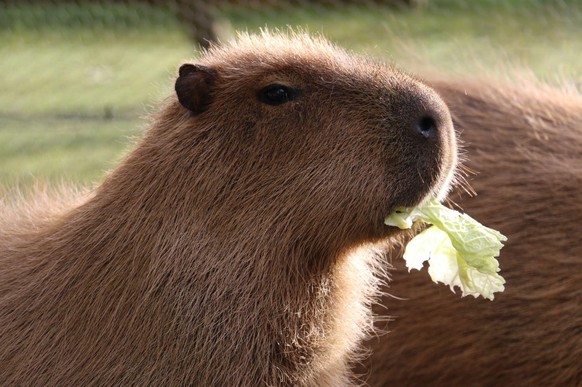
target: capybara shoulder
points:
(237, 243)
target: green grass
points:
(450, 35)
(78, 151)
(65, 68)
(78, 60)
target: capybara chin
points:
(525, 142)
(236, 244)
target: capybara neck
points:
(237, 244)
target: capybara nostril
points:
(426, 126)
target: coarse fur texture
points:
(525, 143)
(237, 244)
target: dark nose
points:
(426, 126)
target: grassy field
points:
(74, 80)
(453, 35)
(68, 150)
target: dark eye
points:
(277, 94)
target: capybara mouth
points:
(439, 191)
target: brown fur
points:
(237, 243)
(525, 142)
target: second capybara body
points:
(237, 243)
(525, 144)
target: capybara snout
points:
(428, 139)
(427, 120)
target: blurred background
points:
(78, 78)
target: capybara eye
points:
(277, 94)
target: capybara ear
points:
(194, 86)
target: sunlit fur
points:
(237, 246)
(525, 143)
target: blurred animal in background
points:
(525, 143)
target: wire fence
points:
(109, 58)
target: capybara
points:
(237, 243)
(525, 144)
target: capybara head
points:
(302, 135)
(219, 251)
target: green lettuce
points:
(460, 251)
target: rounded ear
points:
(194, 86)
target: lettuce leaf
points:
(460, 251)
